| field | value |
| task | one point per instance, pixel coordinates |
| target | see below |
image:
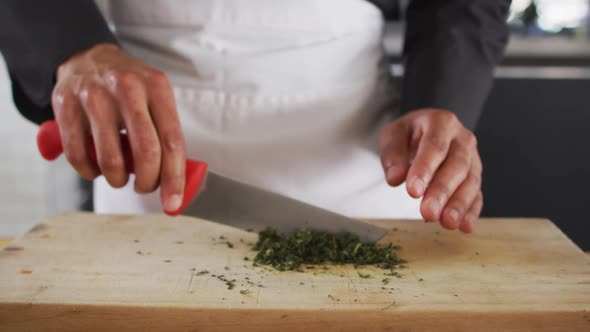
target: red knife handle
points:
(50, 147)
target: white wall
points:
(30, 187)
(23, 173)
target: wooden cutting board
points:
(141, 273)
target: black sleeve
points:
(450, 50)
(36, 37)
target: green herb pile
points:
(289, 252)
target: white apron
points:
(286, 95)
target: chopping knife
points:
(213, 197)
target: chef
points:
(294, 96)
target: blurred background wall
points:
(534, 134)
(23, 176)
(30, 187)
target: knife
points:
(213, 197)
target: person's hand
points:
(100, 92)
(437, 157)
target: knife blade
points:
(216, 198)
(240, 205)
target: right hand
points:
(103, 90)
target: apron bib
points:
(284, 95)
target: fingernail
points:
(390, 173)
(453, 216)
(434, 205)
(173, 202)
(467, 228)
(419, 186)
(467, 225)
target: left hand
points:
(437, 157)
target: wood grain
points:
(4, 242)
(91, 272)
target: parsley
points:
(289, 252)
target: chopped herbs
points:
(226, 268)
(333, 298)
(389, 306)
(167, 261)
(245, 291)
(393, 273)
(421, 279)
(203, 272)
(289, 252)
(246, 258)
(364, 276)
(229, 283)
(386, 281)
(229, 244)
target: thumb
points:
(395, 152)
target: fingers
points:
(395, 159)
(111, 91)
(100, 110)
(453, 171)
(432, 150)
(472, 215)
(163, 111)
(462, 201)
(143, 138)
(445, 167)
(459, 203)
(74, 132)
